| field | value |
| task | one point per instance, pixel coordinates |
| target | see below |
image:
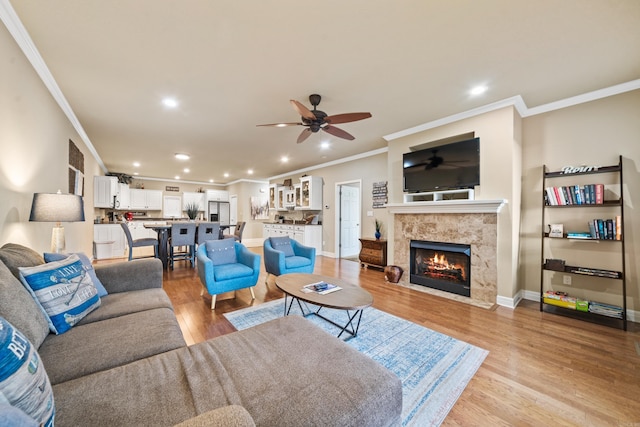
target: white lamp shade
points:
(57, 207)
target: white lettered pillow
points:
(63, 289)
(24, 383)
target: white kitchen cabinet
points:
(308, 235)
(150, 200)
(281, 198)
(123, 199)
(310, 195)
(109, 241)
(218, 195)
(105, 188)
(197, 198)
(275, 197)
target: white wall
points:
(34, 135)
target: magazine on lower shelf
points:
(321, 288)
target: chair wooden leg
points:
(253, 296)
(202, 292)
(213, 302)
(266, 279)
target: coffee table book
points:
(321, 288)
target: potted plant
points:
(378, 233)
(192, 210)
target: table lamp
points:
(58, 208)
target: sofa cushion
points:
(86, 263)
(242, 368)
(221, 251)
(103, 345)
(63, 289)
(20, 309)
(122, 303)
(23, 379)
(14, 256)
(227, 416)
(282, 244)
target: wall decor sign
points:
(379, 194)
(567, 170)
(76, 170)
(171, 188)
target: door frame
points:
(338, 215)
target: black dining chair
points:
(183, 235)
(138, 243)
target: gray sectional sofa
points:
(126, 363)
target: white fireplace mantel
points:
(447, 206)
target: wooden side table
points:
(373, 253)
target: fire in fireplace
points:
(440, 265)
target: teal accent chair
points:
(283, 255)
(226, 265)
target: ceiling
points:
(232, 65)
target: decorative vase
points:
(392, 273)
(377, 234)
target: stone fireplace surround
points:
(471, 222)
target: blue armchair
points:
(283, 255)
(225, 266)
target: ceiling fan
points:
(314, 120)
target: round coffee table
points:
(351, 298)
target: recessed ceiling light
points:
(478, 90)
(186, 170)
(136, 164)
(284, 159)
(170, 102)
(324, 145)
(250, 171)
(182, 156)
(177, 177)
(136, 173)
(226, 175)
(210, 180)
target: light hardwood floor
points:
(542, 369)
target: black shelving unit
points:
(616, 206)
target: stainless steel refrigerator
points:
(219, 212)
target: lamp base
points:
(57, 239)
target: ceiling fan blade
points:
(338, 132)
(346, 118)
(304, 135)
(302, 110)
(281, 125)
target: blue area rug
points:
(434, 368)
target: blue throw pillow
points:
(282, 244)
(222, 251)
(86, 262)
(63, 289)
(23, 380)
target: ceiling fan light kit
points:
(315, 120)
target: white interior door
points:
(349, 219)
(172, 207)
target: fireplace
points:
(440, 265)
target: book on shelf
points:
(321, 288)
(589, 194)
(578, 235)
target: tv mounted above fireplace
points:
(442, 167)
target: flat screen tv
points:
(442, 167)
